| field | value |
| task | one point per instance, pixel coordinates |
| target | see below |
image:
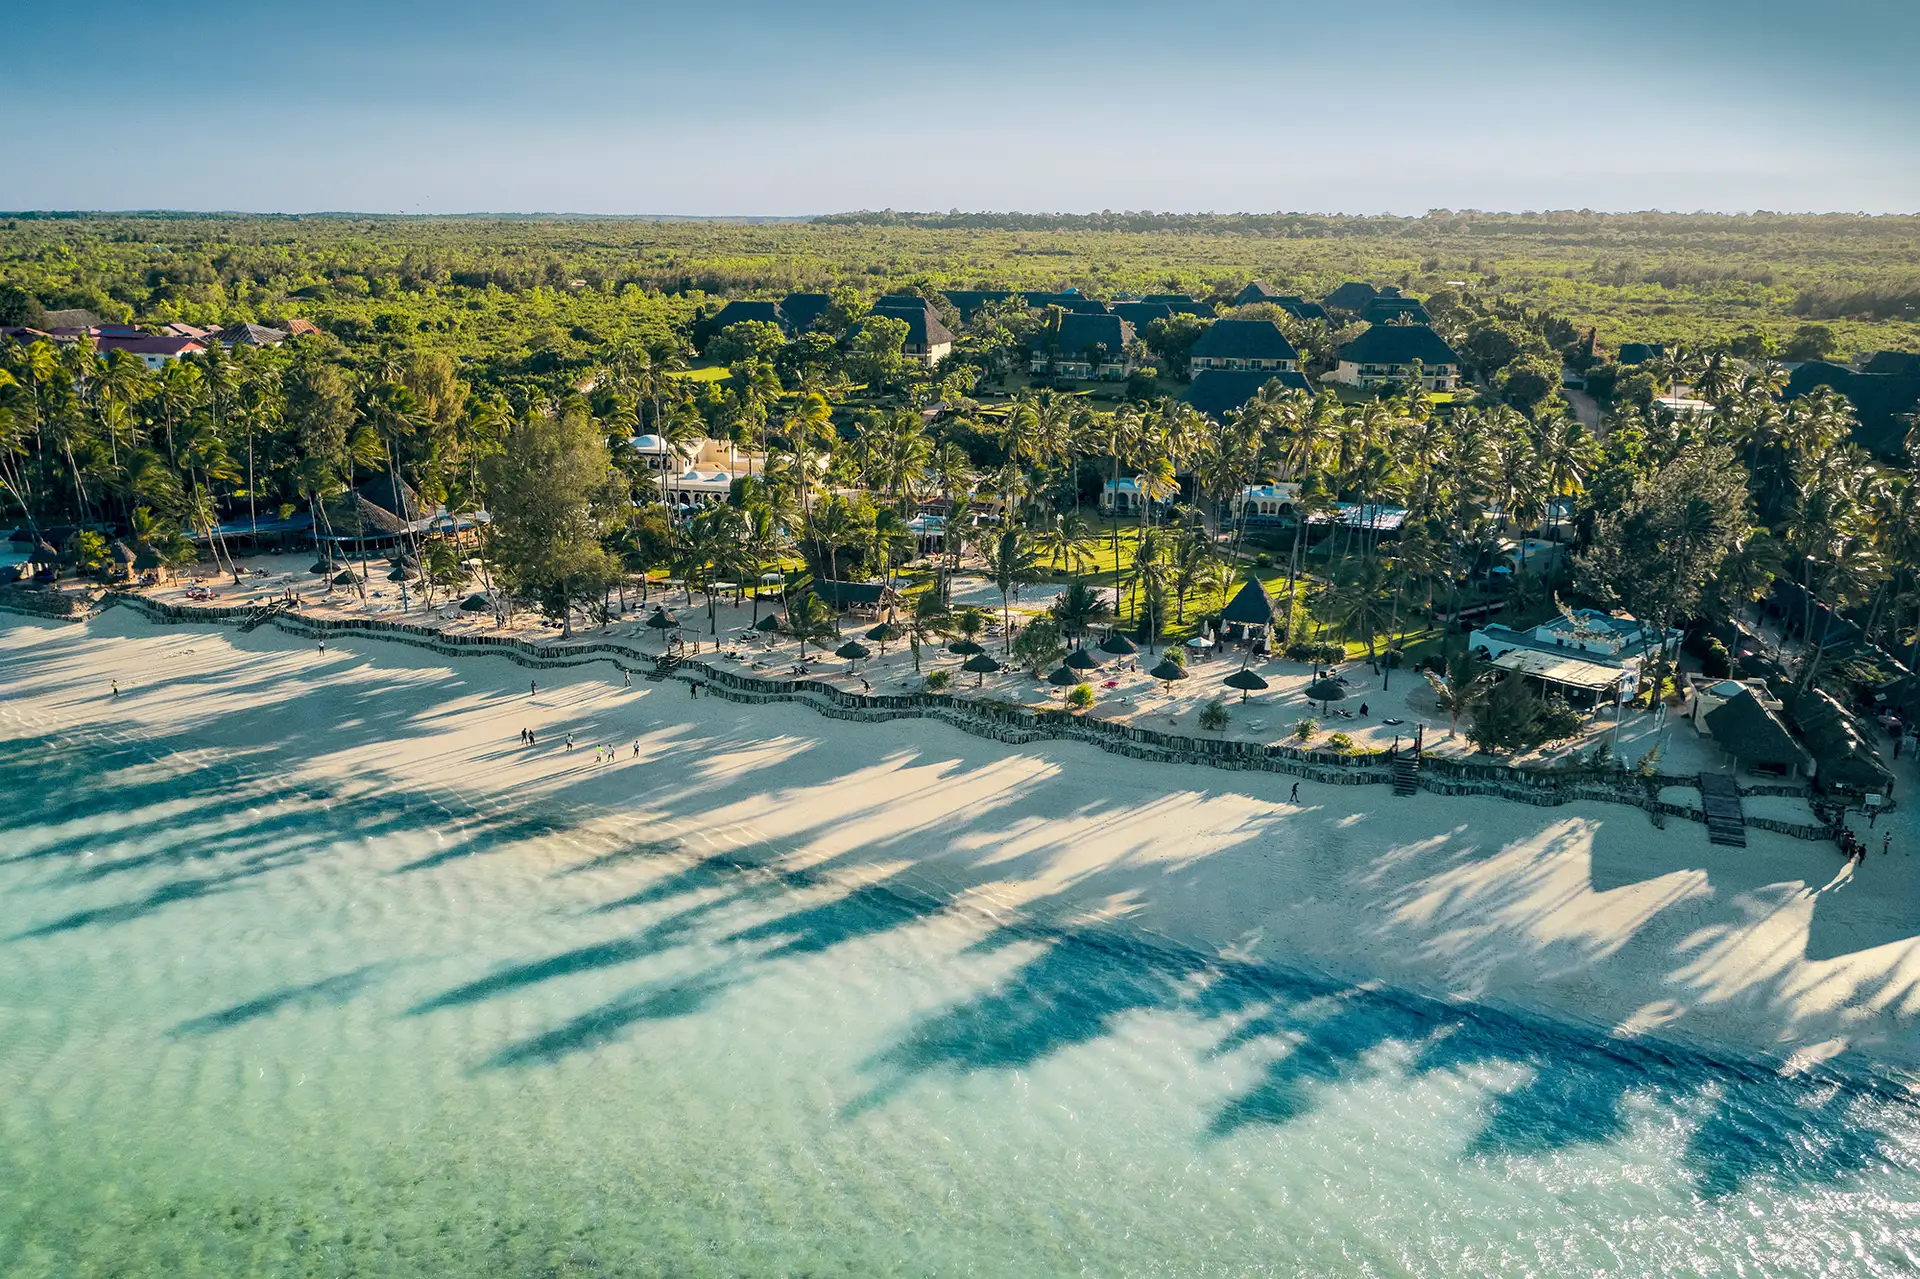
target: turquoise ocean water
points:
(260, 1028)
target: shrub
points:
(1340, 742)
(1716, 661)
(937, 681)
(1213, 716)
(1306, 728)
(1560, 721)
(1263, 560)
(1081, 698)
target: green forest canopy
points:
(491, 287)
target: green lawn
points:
(711, 373)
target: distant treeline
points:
(1892, 227)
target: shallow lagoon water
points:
(251, 1026)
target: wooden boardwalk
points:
(1720, 800)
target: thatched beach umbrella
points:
(402, 574)
(122, 557)
(965, 648)
(1326, 690)
(1119, 645)
(768, 624)
(475, 603)
(1246, 681)
(323, 568)
(853, 651)
(1167, 672)
(885, 634)
(1064, 677)
(661, 620)
(1081, 660)
(344, 577)
(981, 665)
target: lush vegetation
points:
(496, 288)
(505, 365)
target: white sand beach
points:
(1584, 912)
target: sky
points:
(756, 107)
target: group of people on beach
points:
(1856, 849)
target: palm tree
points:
(926, 622)
(1461, 688)
(1010, 560)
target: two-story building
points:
(1391, 352)
(928, 340)
(1084, 346)
(1249, 346)
(1590, 658)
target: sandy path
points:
(1584, 911)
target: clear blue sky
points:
(752, 107)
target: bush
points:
(1306, 728)
(1340, 742)
(1318, 654)
(1263, 560)
(1560, 721)
(1081, 698)
(1213, 716)
(937, 681)
(1716, 661)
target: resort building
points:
(1243, 346)
(1591, 658)
(154, 352)
(1218, 392)
(244, 334)
(802, 311)
(1748, 723)
(1141, 314)
(1181, 304)
(1386, 310)
(1126, 497)
(746, 312)
(1350, 297)
(1391, 353)
(1266, 503)
(928, 340)
(1084, 346)
(700, 473)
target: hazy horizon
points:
(768, 111)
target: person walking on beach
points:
(626, 678)
(533, 688)
(116, 687)
(323, 646)
(1294, 798)
(569, 741)
(636, 748)
(1886, 844)
(693, 688)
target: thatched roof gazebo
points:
(121, 557)
(1081, 660)
(1246, 681)
(1119, 645)
(1326, 690)
(980, 665)
(1251, 606)
(853, 651)
(965, 648)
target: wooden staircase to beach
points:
(1720, 801)
(1406, 773)
(663, 666)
